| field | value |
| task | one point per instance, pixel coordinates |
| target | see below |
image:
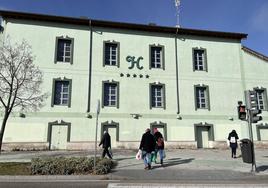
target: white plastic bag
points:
(110, 151)
(138, 155)
(228, 142)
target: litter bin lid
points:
(245, 140)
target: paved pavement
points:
(186, 166)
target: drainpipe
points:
(177, 70)
(90, 67)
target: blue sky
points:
(245, 16)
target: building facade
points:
(185, 82)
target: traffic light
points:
(254, 116)
(242, 114)
(251, 100)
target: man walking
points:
(106, 144)
(147, 145)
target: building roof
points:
(254, 53)
(119, 25)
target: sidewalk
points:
(184, 165)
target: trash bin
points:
(246, 150)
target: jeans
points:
(146, 158)
(161, 154)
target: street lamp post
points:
(96, 132)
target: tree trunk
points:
(3, 129)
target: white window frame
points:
(111, 58)
(157, 62)
(199, 59)
(68, 44)
(262, 101)
(113, 92)
(64, 92)
(202, 97)
(158, 99)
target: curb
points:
(154, 185)
(54, 178)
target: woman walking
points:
(233, 137)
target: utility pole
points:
(253, 167)
(252, 117)
(96, 132)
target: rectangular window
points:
(201, 98)
(261, 99)
(64, 50)
(156, 57)
(110, 94)
(62, 93)
(111, 54)
(199, 58)
(157, 96)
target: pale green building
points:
(185, 82)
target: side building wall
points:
(255, 78)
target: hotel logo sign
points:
(134, 62)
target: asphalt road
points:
(67, 184)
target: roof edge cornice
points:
(254, 53)
(120, 25)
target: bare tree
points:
(20, 81)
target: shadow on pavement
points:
(124, 158)
(262, 168)
(175, 161)
(128, 165)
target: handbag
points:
(160, 142)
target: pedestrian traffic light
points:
(251, 100)
(242, 114)
(254, 116)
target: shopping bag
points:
(228, 142)
(138, 155)
(153, 156)
(110, 151)
(164, 154)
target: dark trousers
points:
(233, 151)
(106, 151)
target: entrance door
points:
(112, 132)
(202, 137)
(59, 135)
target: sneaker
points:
(149, 167)
(146, 168)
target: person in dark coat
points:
(159, 144)
(147, 145)
(106, 144)
(233, 137)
